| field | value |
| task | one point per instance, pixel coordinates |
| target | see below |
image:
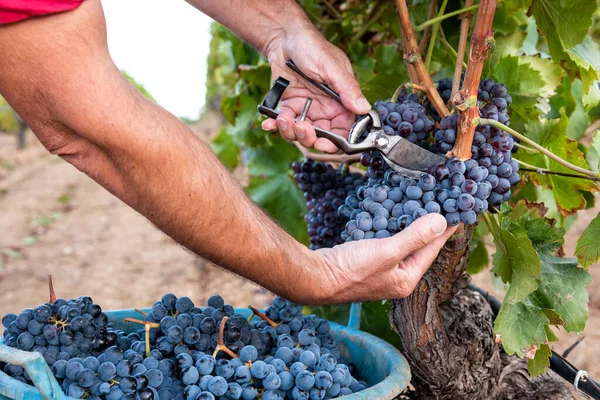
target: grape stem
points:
(144, 313)
(450, 48)
(263, 317)
(414, 62)
(494, 228)
(327, 157)
(436, 29)
(147, 326)
(496, 124)
(462, 47)
(546, 171)
(468, 8)
(465, 100)
(221, 344)
(529, 149)
(427, 31)
(404, 86)
(51, 289)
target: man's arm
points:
(280, 30)
(57, 73)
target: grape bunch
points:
(407, 119)
(324, 191)
(195, 353)
(61, 330)
(492, 148)
(459, 190)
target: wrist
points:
(313, 286)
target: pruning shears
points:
(401, 155)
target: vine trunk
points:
(447, 333)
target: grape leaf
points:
(551, 73)
(272, 187)
(516, 262)
(510, 15)
(507, 45)
(596, 149)
(540, 362)
(524, 83)
(520, 326)
(561, 287)
(551, 134)
(225, 148)
(588, 245)
(381, 86)
(578, 119)
(545, 236)
(565, 26)
(479, 258)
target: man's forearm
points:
(257, 22)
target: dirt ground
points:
(54, 219)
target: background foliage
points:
(547, 54)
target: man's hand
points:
(376, 268)
(325, 63)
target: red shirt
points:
(16, 10)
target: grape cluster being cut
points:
(459, 190)
(194, 353)
(407, 119)
(325, 190)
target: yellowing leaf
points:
(588, 244)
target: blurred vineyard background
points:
(55, 220)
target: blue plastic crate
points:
(378, 363)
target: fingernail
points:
(363, 104)
(282, 124)
(438, 224)
(300, 131)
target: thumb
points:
(342, 80)
(419, 234)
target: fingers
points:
(414, 266)
(340, 78)
(418, 235)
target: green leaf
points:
(578, 119)
(517, 263)
(381, 87)
(225, 148)
(595, 150)
(374, 319)
(588, 244)
(272, 187)
(551, 73)
(545, 236)
(520, 326)
(508, 45)
(479, 258)
(565, 25)
(552, 136)
(524, 83)
(510, 16)
(540, 362)
(561, 288)
(389, 59)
